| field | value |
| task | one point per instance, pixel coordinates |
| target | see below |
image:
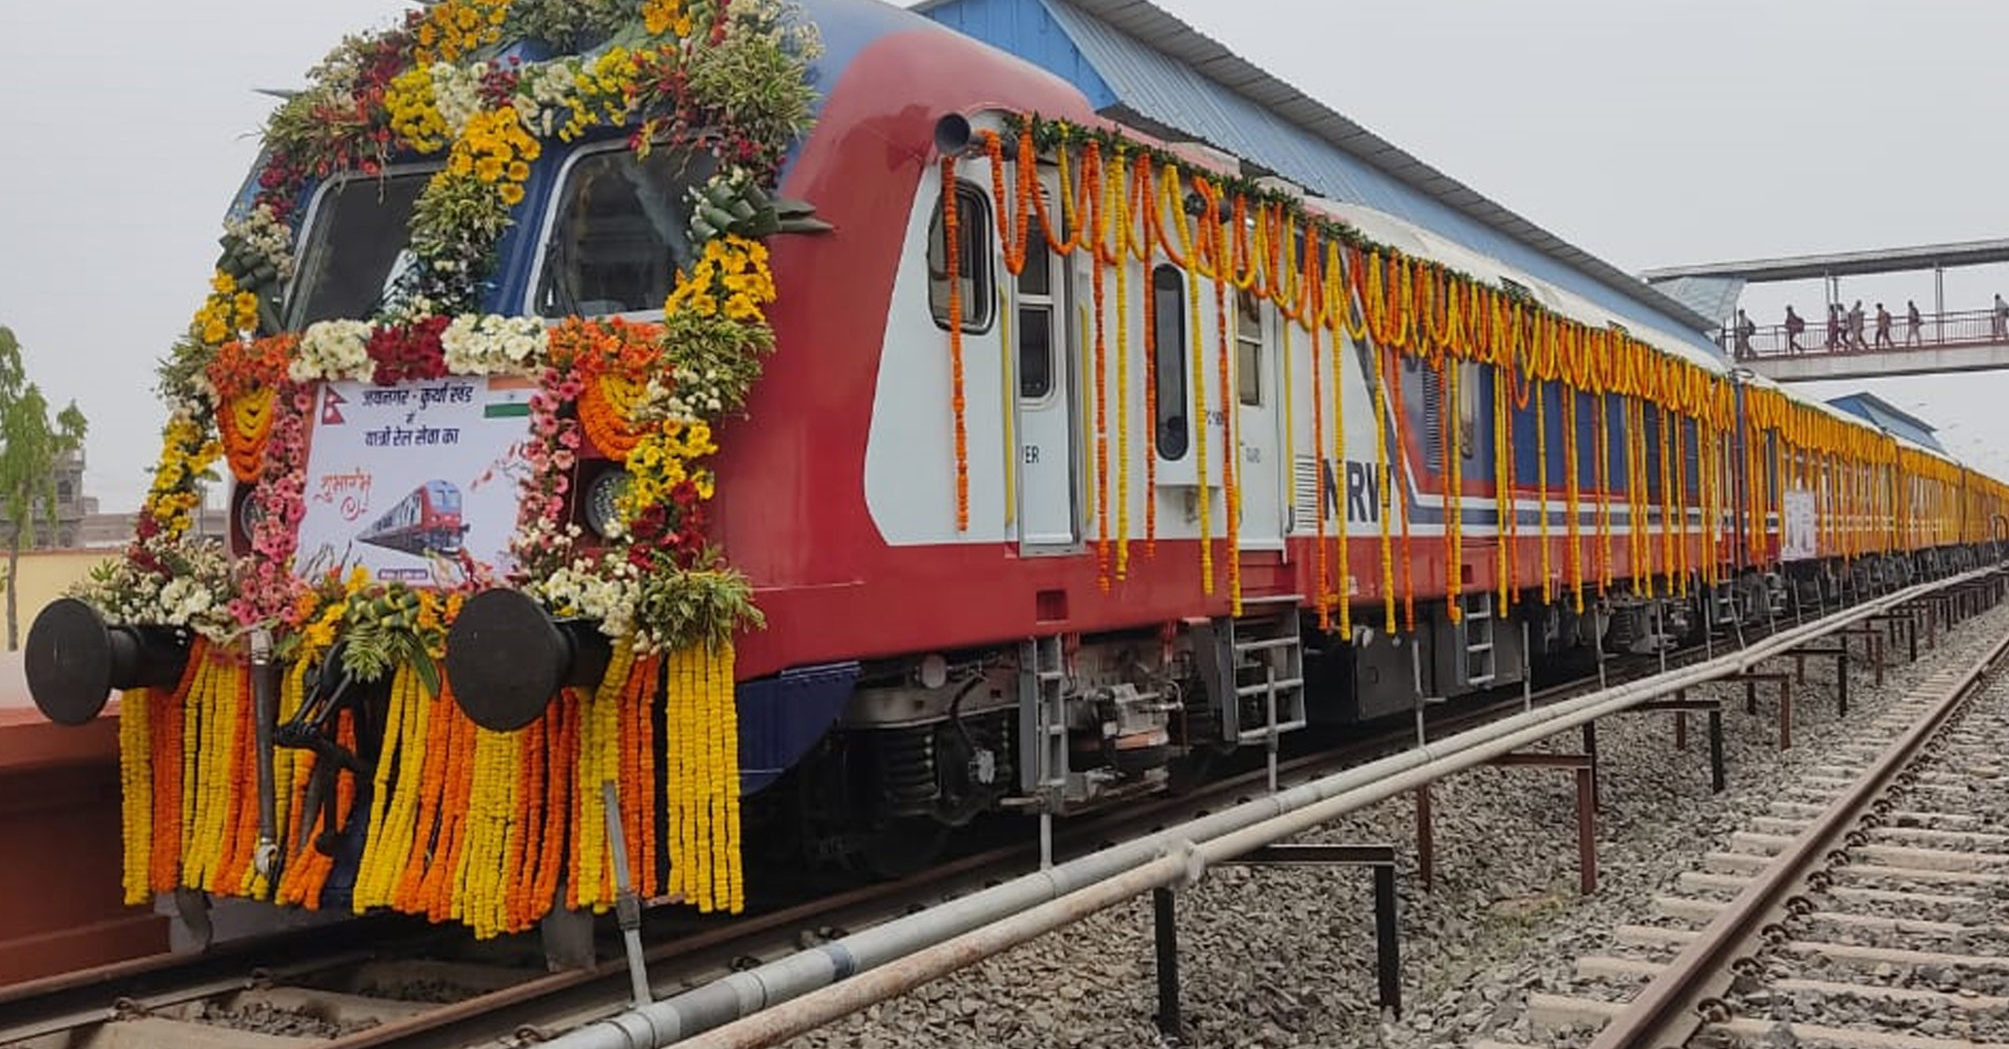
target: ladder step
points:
(1483, 646)
(1287, 684)
(1252, 735)
(1483, 679)
(1267, 643)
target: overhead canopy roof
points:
(1888, 417)
(1713, 297)
(1142, 66)
(1845, 263)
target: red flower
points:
(411, 352)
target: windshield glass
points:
(354, 248)
(618, 236)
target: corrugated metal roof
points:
(1168, 78)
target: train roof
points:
(1141, 66)
(1849, 417)
(1416, 241)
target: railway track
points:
(377, 983)
(1864, 910)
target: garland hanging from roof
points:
(1417, 308)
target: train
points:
(967, 428)
(425, 522)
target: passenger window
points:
(619, 234)
(973, 224)
(1168, 370)
(1249, 350)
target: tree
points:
(30, 447)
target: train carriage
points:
(1079, 452)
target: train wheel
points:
(1190, 770)
(903, 847)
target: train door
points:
(1260, 467)
(1042, 365)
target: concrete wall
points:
(43, 575)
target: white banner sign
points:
(1797, 529)
(418, 483)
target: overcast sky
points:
(1650, 133)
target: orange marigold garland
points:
(1098, 230)
(1230, 403)
(952, 245)
(1119, 183)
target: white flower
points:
(333, 350)
(493, 345)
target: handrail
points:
(1953, 329)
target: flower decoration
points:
(731, 279)
(492, 345)
(728, 77)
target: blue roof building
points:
(1889, 417)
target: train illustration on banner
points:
(425, 522)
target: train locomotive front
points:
(627, 443)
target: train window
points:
(973, 223)
(1035, 350)
(1249, 350)
(1468, 409)
(1168, 370)
(355, 247)
(619, 234)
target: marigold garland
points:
(1099, 217)
(1119, 183)
(1382, 486)
(1325, 490)
(1214, 237)
(1454, 494)
(952, 242)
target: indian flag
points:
(508, 397)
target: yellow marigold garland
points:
(1385, 482)
(135, 796)
(1542, 486)
(1344, 582)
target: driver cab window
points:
(619, 234)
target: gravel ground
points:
(1285, 957)
(266, 1019)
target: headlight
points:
(599, 509)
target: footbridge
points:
(1939, 340)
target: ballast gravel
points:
(260, 1018)
(1282, 957)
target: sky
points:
(1649, 132)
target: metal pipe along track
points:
(935, 942)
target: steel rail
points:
(1668, 1011)
(806, 990)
